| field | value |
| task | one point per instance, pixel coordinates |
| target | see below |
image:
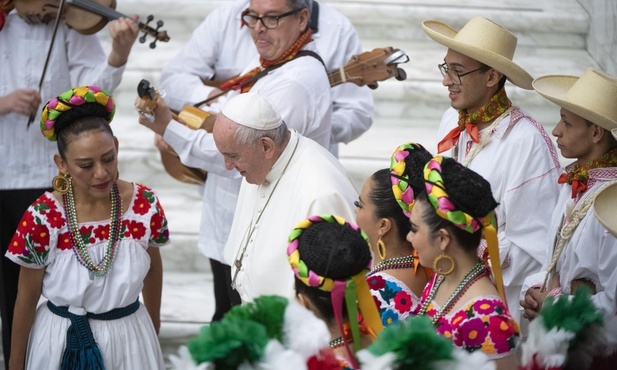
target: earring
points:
(439, 260)
(61, 183)
(381, 249)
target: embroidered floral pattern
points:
(394, 299)
(44, 225)
(482, 324)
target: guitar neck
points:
(96, 8)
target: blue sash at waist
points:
(81, 351)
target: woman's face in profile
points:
(365, 213)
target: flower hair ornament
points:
(354, 290)
(402, 189)
(414, 344)
(70, 99)
(446, 209)
(271, 332)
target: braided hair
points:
(470, 193)
(332, 251)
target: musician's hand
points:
(532, 304)
(123, 32)
(162, 117)
(23, 101)
(160, 144)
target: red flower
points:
(324, 360)
(141, 206)
(135, 229)
(484, 306)
(102, 232)
(40, 238)
(501, 330)
(64, 242)
(156, 222)
(376, 282)
(402, 302)
(18, 245)
(472, 333)
(46, 204)
(26, 224)
(86, 234)
(55, 219)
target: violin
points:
(84, 16)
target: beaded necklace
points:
(476, 272)
(338, 342)
(77, 241)
(393, 264)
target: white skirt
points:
(128, 343)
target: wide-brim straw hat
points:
(485, 41)
(592, 96)
(605, 208)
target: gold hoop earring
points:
(61, 183)
(381, 249)
(440, 270)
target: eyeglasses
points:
(454, 75)
(268, 21)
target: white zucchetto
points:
(252, 110)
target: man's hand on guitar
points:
(156, 109)
(160, 144)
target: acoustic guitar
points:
(366, 69)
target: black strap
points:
(314, 22)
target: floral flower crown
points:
(402, 189)
(72, 98)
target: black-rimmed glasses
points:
(454, 75)
(268, 21)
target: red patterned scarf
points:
(246, 81)
(5, 8)
(578, 175)
(498, 104)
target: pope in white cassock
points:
(287, 178)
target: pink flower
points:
(484, 306)
(503, 331)
(471, 333)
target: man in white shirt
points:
(220, 49)
(28, 165)
(287, 178)
(581, 251)
(499, 141)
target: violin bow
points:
(51, 45)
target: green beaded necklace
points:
(473, 275)
(77, 241)
(393, 264)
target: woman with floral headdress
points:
(330, 258)
(448, 221)
(395, 280)
(90, 248)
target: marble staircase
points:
(552, 39)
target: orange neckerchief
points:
(245, 82)
(5, 8)
(498, 104)
(578, 175)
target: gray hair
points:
(301, 4)
(249, 136)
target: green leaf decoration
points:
(229, 343)
(414, 342)
(268, 311)
(573, 314)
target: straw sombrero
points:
(485, 41)
(605, 208)
(591, 96)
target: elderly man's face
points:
(272, 43)
(250, 160)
